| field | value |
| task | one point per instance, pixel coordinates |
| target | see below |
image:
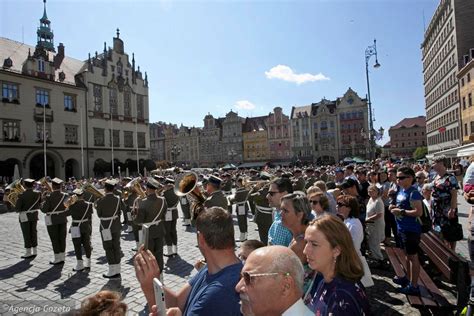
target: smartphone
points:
(159, 297)
(145, 234)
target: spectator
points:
(469, 177)
(420, 180)
(427, 199)
(104, 303)
(375, 224)
(330, 250)
(444, 208)
(279, 234)
(247, 247)
(319, 204)
(211, 291)
(348, 211)
(406, 210)
(331, 199)
(390, 192)
(272, 283)
(295, 215)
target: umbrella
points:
(16, 173)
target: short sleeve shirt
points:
(442, 187)
(405, 199)
(279, 234)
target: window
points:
(113, 100)
(11, 131)
(465, 129)
(468, 77)
(140, 106)
(71, 134)
(97, 98)
(128, 139)
(99, 137)
(116, 138)
(39, 132)
(42, 98)
(141, 140)
(472, 127)
(127, 109)
(69, 102)
(463, 103)
(10, 92)
(41, 65)
(469, 96)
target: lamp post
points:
(369, 52)
(175, 151)
(372, 135)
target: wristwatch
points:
(403, 212)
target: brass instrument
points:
(92, 190)
(135, 185)
(69, 202)
(257, 184)
(46, 185)
(186, 184)
(15, 190)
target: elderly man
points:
(272, 283)
(420, 180)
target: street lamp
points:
(175, 151)
(369, 52)
(372, 135)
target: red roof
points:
(419, 121)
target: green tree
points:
(420, 153)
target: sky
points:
(247, 56)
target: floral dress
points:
(441, 197)
(339, 297)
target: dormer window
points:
(7, 63)
(41, 65)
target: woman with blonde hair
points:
(319, 204)
(330, 251)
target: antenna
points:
(424, 21)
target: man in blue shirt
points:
(212, 290)
(279, 234)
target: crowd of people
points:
(321, 231)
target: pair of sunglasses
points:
(248, 277)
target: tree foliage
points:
(420, 153)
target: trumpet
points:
(92, 190)
(71, 201)
(15, 190)
(186, 184)
(258, 184)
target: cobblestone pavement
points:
(28, 282)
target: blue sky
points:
(248, 56)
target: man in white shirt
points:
(271, 283)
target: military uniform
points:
(56, 223)
(227, 187)
(109, 209)
(128, 209)
(185, 207)
(240, 201)
(81, 214)
(299, 184)
(217, 198)
(310, 181)
(263, 215)
(171, 217)
(27, 205)
(151, 211)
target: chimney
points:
(58, 59)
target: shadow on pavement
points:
(70, 286)
(14, 269)
(177, 266)
(44, 278)
(116, 285)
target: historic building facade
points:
(231, 149)
(406, 136)
(301, 133)
(279, 137)
(210, 142)
(47, 95)
(466, 91)
(255, 140)
(448, 37)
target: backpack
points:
(425, 219)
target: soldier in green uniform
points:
(184, 202)
(298, 181)
(108, 209)
(27, 205)
(56, 220)
(240, 201)
(263, 211)
(151, 211)
(127, 216)
(227, 184)
(81, 229)
(310, 178)
(215, 195)
(171, 217)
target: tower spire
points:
(45, 35)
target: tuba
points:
(92, 190)
(45, 184)
(186, 184)
(15, 190)
(135, 185)
(69, 202)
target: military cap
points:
(28, 180)
(111, 182)
(310, 170)
(265, 175)
(297, 171)
(57, 181)
(78, 191)
(152, 183)
(339, 170)
(253, 171)
(127, 178)
(215, 180)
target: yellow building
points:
(255, 140)
(466, 92)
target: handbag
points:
(452, 230)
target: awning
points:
(466, 152)
(252, 165)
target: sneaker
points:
(410, 290)
(403, 281)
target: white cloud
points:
(244, 105)
(285, 73)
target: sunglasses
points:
(249, 277)
(272, 193)
(402, 178)
(315, 202)
(341, 204)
